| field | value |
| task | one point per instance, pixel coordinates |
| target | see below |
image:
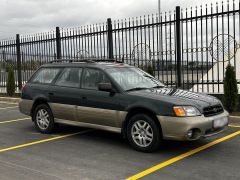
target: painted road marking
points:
(3, 102)
(9, 107)
(15, 120)
(182, 156)
(43, 141)
(233, 125)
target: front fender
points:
(156, 107)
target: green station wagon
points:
(117, 97)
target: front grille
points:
(212, 110)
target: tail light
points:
(24, 87)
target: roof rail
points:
(87, 60)
(108, 60)
(71, 60)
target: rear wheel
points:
(143, 133)
(43, 119)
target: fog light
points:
(190, 133)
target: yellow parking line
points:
(8, 107)
(3, 102)
(182, 156)
(42, 141)
(15, 120)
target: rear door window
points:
(45, 75)
(92, 77)
(70, 77)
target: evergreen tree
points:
(11, 82)
(149, 70)
(230, 89)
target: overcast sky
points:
(33, 16)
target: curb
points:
(234, 119)
(8, 99)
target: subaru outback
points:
(117, 97)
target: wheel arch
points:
(37, 101)
(139, 110)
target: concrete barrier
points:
(9, 99)
(234, 120)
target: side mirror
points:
(105, 87)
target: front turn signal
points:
(179, 111)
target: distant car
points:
(117, 97)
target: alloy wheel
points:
(142, 133)
(42, 119)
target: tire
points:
(143, 133)
(43, 119)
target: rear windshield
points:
(45, 75)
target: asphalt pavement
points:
(80, 153)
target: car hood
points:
(178, 97)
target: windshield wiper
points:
(154, 80)
(145, 75)
(136, 89)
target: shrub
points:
(230, 89)
(7, 68)
(149, 69)
(10, 82)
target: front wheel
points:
(143, 133)
(43, 119)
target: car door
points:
(64, 94)
(98, 107)
(41, 82)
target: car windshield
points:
(133, 78)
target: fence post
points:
(19, 64)
(58, 43)
(110, 38)
(178, 47)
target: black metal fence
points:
(187, 48)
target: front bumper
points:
(177, 128)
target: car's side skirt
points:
(88, 125)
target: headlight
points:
(186, 111)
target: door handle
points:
(84, 98)
(51, 94)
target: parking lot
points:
(79, 153)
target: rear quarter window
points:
(45, 75)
